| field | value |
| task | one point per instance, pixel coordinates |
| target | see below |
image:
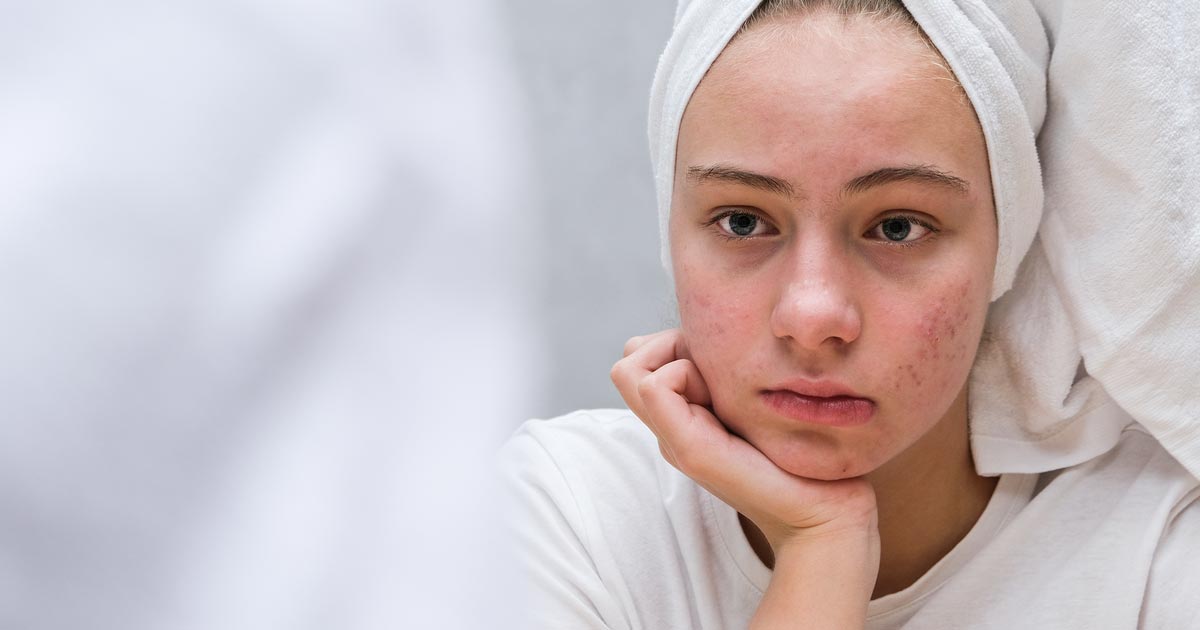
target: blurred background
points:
(586, 69)
(276, 278)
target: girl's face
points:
(833, 240)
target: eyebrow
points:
(919, 173)
(723, 173)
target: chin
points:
(818, 459)
(812, 454)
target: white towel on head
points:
(1105, 271)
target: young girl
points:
(806, 449)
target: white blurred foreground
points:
(262, 314)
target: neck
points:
(929, 497)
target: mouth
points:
(820, 402)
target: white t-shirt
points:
(614, 537)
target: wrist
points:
(846, 557)
(824, 578)
(806, 540)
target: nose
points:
(817, 307)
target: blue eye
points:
(895, 229)
(741, 224)
(901, 229)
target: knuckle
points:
(617, 372)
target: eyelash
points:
(712, 223)
(933, 231)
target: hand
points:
(664, 388)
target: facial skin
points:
(818, 291)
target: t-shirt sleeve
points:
(565, 589)
(1173, 591)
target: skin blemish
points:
(913, 375)
(907, 377)
(941, 325)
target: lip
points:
(820, 402)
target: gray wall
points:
(586, 69)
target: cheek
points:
(710, 326)
(718, 328)
(702, 316)
(943, 336)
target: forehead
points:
(854, 90)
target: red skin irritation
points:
(914, 355)
(941, 336)
(940, 331)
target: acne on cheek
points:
(942, 323)
(943, 344)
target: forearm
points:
(821, 583)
